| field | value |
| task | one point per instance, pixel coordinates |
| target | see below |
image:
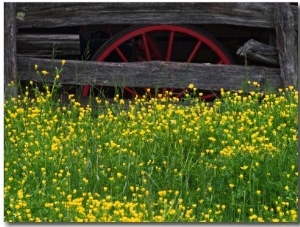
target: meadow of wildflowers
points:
(151, 159)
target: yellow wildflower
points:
(45, 72)
(286, 188)
(244, 167)
(191, 86)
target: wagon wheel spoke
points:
(150, 49)
(146, 48)
(170, 46)
(124, 59)
(194, 51)
(129, 90)
(177, 43)
(156, 52)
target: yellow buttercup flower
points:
(45, 72)
(191, 86)
(286, 188)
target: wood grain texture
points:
(149, 74)
(286, 43)
(42, 45)
(10, 61)
(259, 51)
(74, 14)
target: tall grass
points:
(151, 159)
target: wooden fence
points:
(282, 17)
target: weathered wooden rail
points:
(279, 17)
(150, 74)
(70, 14)
(41, 45)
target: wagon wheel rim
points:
(151, 51)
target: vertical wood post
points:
(10, 61)
(286, 43)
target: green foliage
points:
(152, 159)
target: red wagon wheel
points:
(162, 42)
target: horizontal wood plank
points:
(45, 45)
(149, 74)
(74, 14)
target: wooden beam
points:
(42, 45)
(259, 51)
(10, 67)
(75, 14)
(286, 43)
(149, 74)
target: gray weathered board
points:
(10, 49)
(286, 42)
(42, 45)
(259, 51)
(149, 74)
(70, 14)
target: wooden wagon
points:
(154, 45)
